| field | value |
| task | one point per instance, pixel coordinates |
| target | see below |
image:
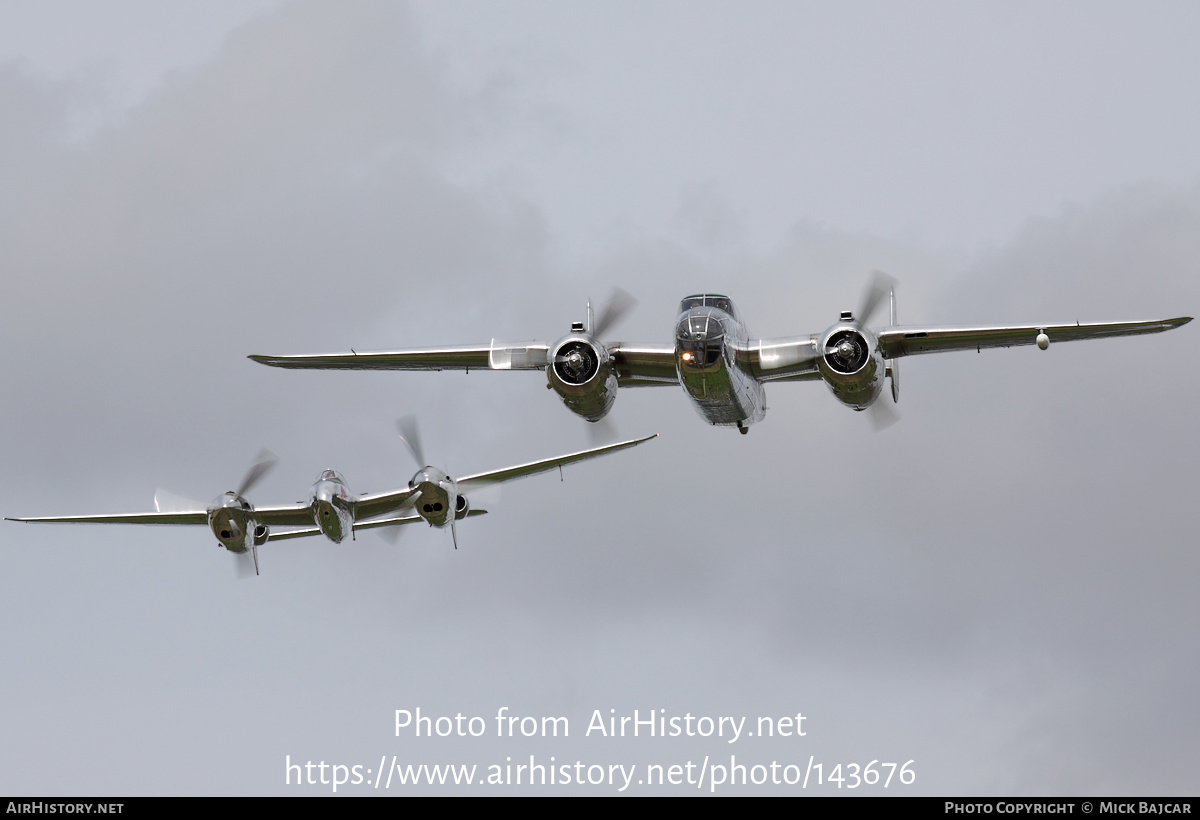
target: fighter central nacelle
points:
(332, 508)
(851, 363)
(581, 372)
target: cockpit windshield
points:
(700, 327)
(331, 475)
(713, 300)
(700, 337)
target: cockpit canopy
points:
(700, 336)
(713, 300)
(331, 475)
(701, 326)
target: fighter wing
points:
(287, 534)
(194, 517)
(533, 467)
(361, 525)
(370, 505)
(401, 519)
(908, 341)
(520, 356)
(297, 515)
(294, 516)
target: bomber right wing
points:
(636, 365)
(519, 356)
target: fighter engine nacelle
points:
(231, 519)
(461, 507)
(851, 364)
(581, 372)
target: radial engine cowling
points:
(851, 364)
(581, 372)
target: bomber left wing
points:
(794, 358)
(908, 341)
(791, 358)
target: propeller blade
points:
(883, 414)
(602, 432)
(878, 288)
(620, 302)
(482, 495)
(263, 463)
(244, 565)
(165, 501)
(454, 529)
(391, 534)
(411, 436)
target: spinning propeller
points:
(849, 349)
(263, 463)
(409, 432)
(577, 362)
(245, 563)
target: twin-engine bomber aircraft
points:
(430, 496)
(719, 366)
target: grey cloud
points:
(973, 588)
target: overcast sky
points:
(1000, 588)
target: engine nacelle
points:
(231, 519)
(581, 372)
(461, 508)
(851, 364)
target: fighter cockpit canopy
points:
(713, 300)
(331, 475)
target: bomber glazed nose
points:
(699, 338)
